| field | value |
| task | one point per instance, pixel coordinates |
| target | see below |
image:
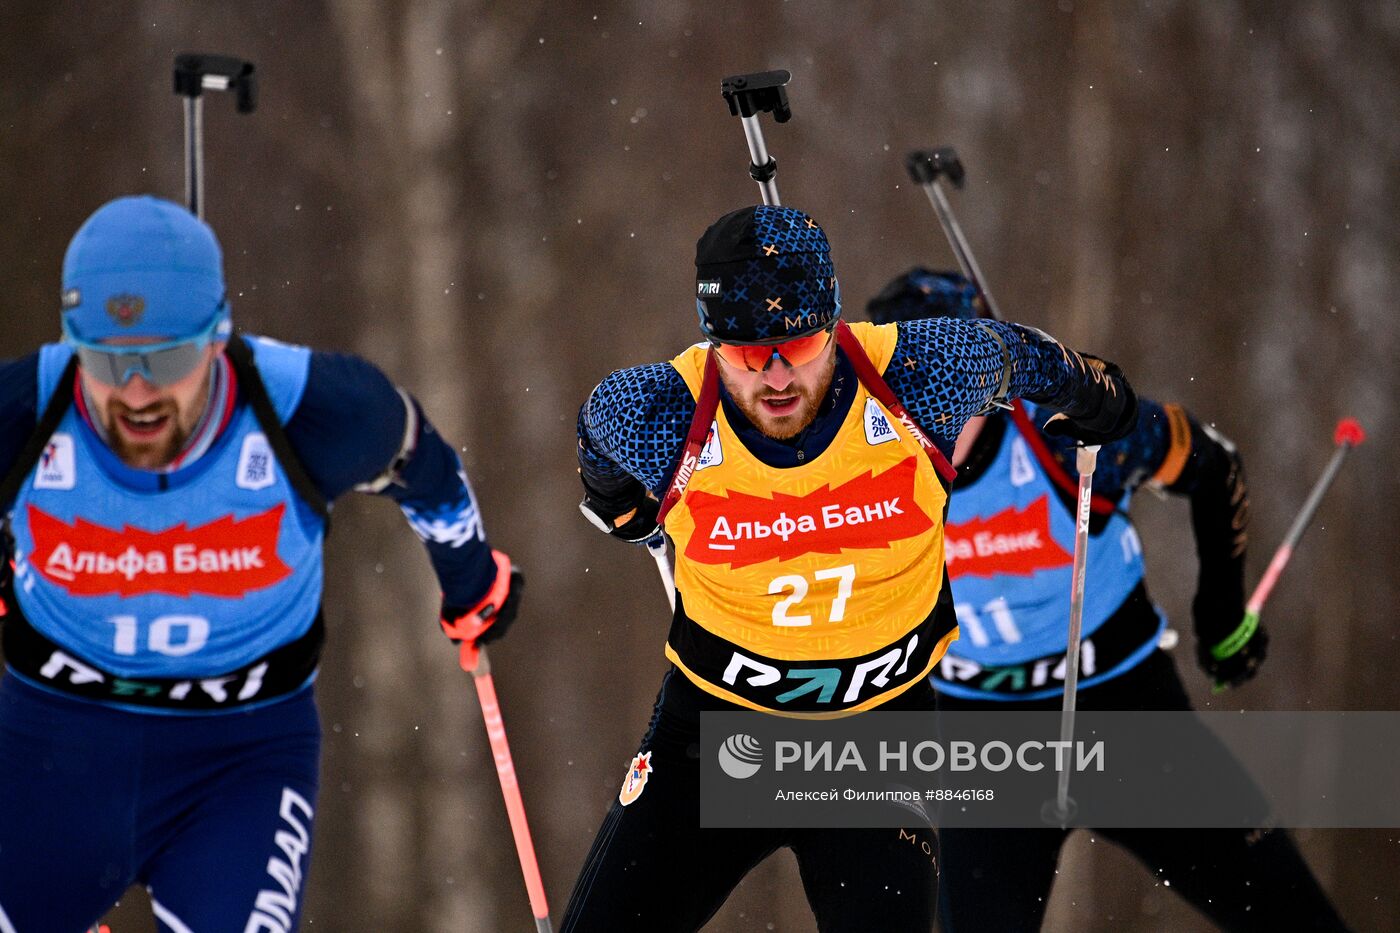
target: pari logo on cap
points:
(126, 310)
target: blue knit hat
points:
(920, 293)
(143, 266)
(764, 274)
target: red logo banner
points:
(867, 512)
(1014, 541)
(223, 558)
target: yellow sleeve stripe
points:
(1179, 450)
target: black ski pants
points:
(999, 879)
(652, 868)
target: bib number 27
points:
(796, 588)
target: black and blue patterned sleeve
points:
(634, 425)
(946, 370)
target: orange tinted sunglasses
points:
(758, 357)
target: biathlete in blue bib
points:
(1009, 550)
(167, 492)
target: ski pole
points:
(196, 73)
(1347, 435)
(475, 662)
(926, 167)
(656, 544)
(1086, 458)
(748, 96)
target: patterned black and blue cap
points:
(763, 275)
(919, 294)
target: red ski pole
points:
(1347, 435)
(475, 662)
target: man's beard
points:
(146, 454)
(780, 427)
(788, 425)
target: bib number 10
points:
(173, 636)
(796, 587)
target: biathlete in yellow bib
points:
(800, 467)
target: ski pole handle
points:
(510, 787)
(926, 167)
(472, 658)
(1347, 435)
(1086, 459)
(196, 73)
(748, 96)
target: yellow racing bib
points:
(814, 588)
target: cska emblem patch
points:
(1013, 541)
(638, 773)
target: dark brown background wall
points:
(498, 201)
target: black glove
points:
(1236, 658)
(1108, 412)
(629, 514)
(491, 618)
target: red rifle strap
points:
(705, 407)
(875, 384)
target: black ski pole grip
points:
(196, 72)
(761, 92)
(926, 165)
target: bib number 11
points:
(798, 585)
